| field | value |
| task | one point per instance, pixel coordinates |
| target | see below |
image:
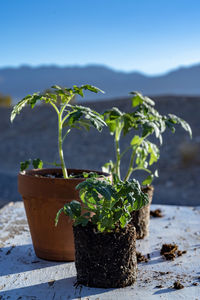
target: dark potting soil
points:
(170, 251)
(157, 213)
(52, 175)
(140, 218)
(106, 260)
(60, 175)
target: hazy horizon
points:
(51, 65)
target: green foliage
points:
(69, 116)
(37, 164)
(81, 116)
(147, 121)
(105, 204)
(150, 178)
(24, 165)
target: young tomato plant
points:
(69, 116)
(146, 120)
(106, 204)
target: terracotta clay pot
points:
(43, 197)
(105, 259)
(141, 217)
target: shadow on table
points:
(195, 246)
(19, 259)
(164, 291)
(60, 289)
(155, 258)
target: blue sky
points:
(151, 36)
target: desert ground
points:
(34, 134)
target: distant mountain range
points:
(18, 82)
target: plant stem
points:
(143, 169)
(117, 157)
(124, 152)
(55, 107)
(117, 150)
(60, 141)
(130, 168)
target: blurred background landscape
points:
(151, 46)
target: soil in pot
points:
(140, 218)
(44, 192)
(106, 260)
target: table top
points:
(24, 276)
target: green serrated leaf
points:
(136, 140)
(75, 208)
(81, 221)
(170, 126)
(137, 100)
(24, 165)
(148, 180)
(183, 123)
(112, 124)
(92, 88)
(68, 211)
(108, 167)
(92, 118)
(123, 221)
(154, 153)
(37, 163)
(78, 91)
(113, 113)
(57, 87)
(18, 107)
(58, 215)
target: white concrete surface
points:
(24, 276)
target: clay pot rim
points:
(32, 172)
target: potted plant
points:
(44, 191)
(105, 251)
(141, 123)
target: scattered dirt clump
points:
(170, 251)
(180, 253)
(159, 286)
(178, 285)
(163, 273)
(141, 258)
(157, 213)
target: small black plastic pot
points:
(140, 218)
(105, 260)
